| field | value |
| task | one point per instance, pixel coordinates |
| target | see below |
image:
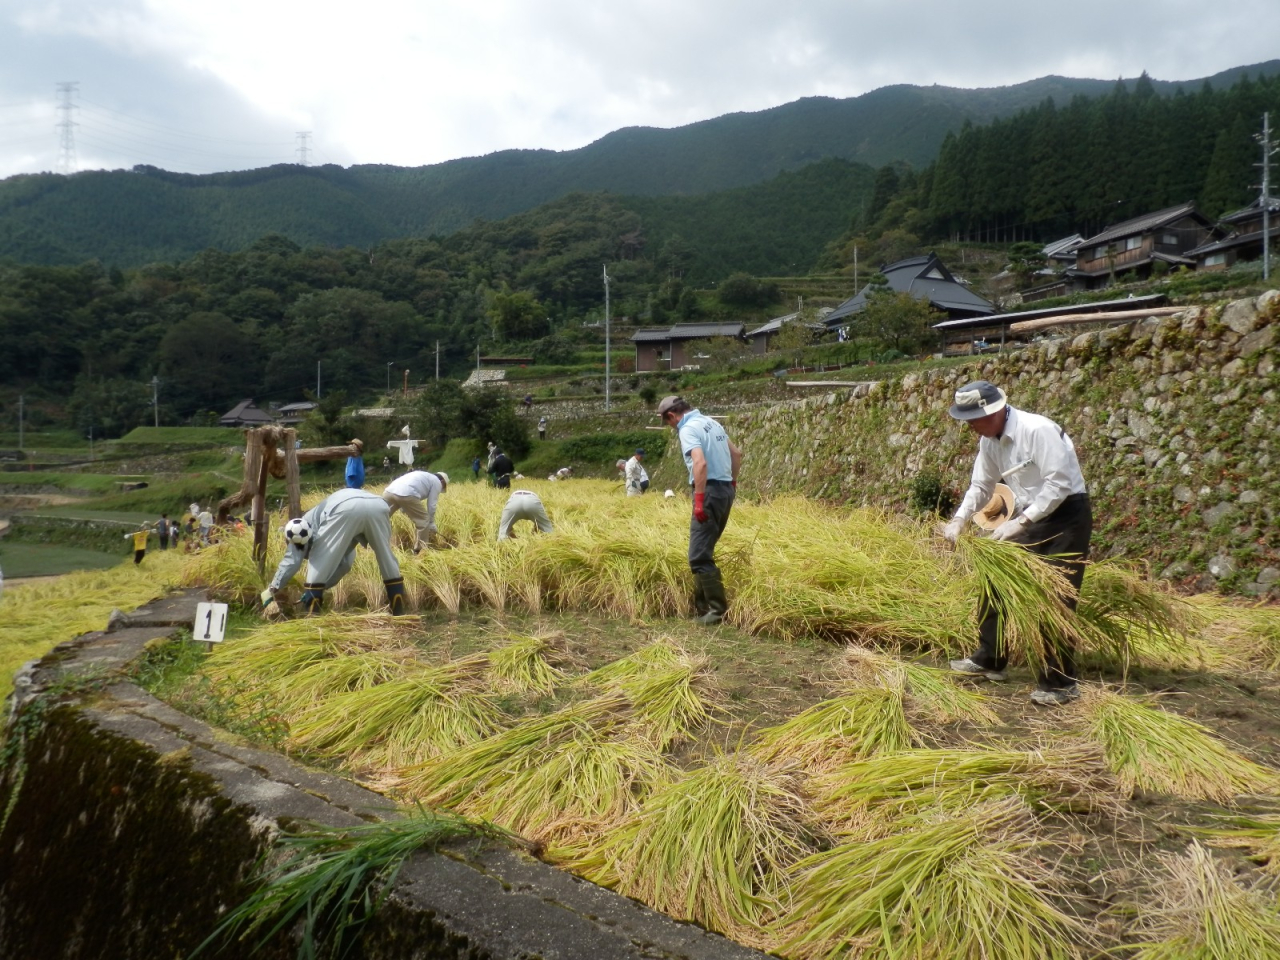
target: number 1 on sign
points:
(211, 622)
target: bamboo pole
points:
(291, 477)
(1040, 323)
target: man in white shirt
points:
(1052, 516)
(637, 478)
(416, 493)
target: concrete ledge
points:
(127, 829)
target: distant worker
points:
(542, 428)
(1052, 517)
(637, 476)
(206, 524)
(475, 468)
(713, 462)
(523, 505)
(564, 473)
(164, 530)
(139, 542)
(326, 537)
(408, 493)
(501, 468)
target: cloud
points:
(421, 81)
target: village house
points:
(925, 278)
(761, 336)
(667, 348)
(1243, 239)
(1135, 246)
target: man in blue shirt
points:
(713, 462)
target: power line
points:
(304, 138)
(174, 132)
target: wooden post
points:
(267, 448)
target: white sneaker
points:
(1056, 697)
(969, 668)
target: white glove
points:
(267, 597)
(951, 530)
(1010, 529)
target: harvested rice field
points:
(804, 779)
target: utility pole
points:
(155, 398)
(437, 359)
(91, 443)
(605, 271)
(1268, 150)
(390, 364)
(317, 379)
(303, 149)
(66, 126)
(21, 402)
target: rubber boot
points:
(717, 602)
(312, 599)
(700, 607)
(397, 599)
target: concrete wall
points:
(127, 829)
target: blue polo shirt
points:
(695, 430)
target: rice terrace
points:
(805, 779)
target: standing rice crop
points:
(711, 846)
(1153, 750)
(960, 885)
(858, 724)
(1196, 910)
(432, 579)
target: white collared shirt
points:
(1034, 457)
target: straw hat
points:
(998, 509)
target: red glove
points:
(699, 508)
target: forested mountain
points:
(127, 218)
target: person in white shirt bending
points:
(1052, 517)
(416, 493)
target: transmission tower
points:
(66, 126)
(304, 147)
(1269, 149)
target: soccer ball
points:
(298, 532)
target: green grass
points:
(41, 560)
(184, 436)
(86, 482)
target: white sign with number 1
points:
(211, 622)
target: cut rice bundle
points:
(932, 694)
(710, 847)
(960, 885)
(521, 665)
(1123, 613)
(855, 725)
(1197, 910)
(1160, 752)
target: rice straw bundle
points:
(589, 782)
(1198, 911)
(1248, 634)
(1025, 590)
(297, 694)
(1150, 749)
(1259, 835)
(662, 652)
(960, 886)
(461, 778)
(671, 702)
(1121, 610)
(858, 724)
(931, 693)
(867, 797)
(709, 847)
(521, 665)
(405, 720)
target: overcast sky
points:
(206, 85)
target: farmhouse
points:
(667, 348)
(1243, 240)
(1136, 245)
(925, 278)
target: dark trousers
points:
(703, 537)
(1062, 538)
(138, 555)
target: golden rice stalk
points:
(521, 666)
(961, 886)
(670, 703)
(1243, 633)
(662, 652)
(462, 776)
(431, 577)
(858, 724)
(1259, 835)
(298, 693)
(868, 796)
(403, 721)
(571, 793)
(1196, 910)
(1121, 611)
(1160, 752)
(710, 847)
(1026, 590)
(931, 693)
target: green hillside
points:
(128, 218)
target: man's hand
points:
(699, 507)
(1010, 529)
(950, 530)
(269, 608)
